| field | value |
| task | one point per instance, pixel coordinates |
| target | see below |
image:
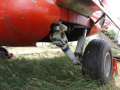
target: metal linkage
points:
(59, 38)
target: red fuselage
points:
(24, 22)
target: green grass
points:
(55, 73)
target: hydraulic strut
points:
(80, 45)
(59, 38)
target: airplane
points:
(25, 22)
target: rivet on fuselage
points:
(22, 17)
(34, 1)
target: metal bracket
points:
(79, 27)
(98, 20)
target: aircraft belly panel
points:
(84, 7)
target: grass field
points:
(50, 71)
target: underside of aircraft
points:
(25, 22)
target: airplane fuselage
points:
(24, 22)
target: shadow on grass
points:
(45, 74)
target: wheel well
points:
(72, 33)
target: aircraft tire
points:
(98, 60)
(4, 54)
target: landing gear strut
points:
(80, 45)
(97, 59)
(59, 38)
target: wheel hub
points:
(107, 65)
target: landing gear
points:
(4, 54)
(98, 61)
(59, 38)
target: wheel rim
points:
(107, 65)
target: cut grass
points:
(55, 73)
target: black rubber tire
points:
(4, 54)
(94, 60)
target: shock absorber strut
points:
(80, 45)
(59, 38)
